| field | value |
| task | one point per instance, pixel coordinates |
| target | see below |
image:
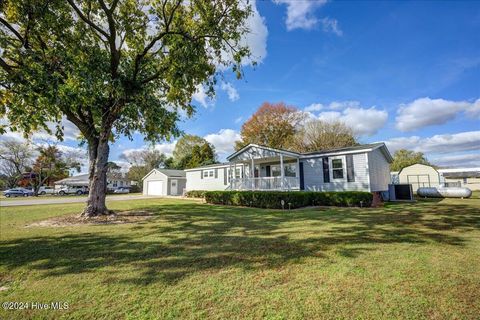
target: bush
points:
(195, 194)
(292, 199)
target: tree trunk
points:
(98, 153)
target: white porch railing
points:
(265, 183)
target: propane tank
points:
(444, 192)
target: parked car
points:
(17, 192)
(46, 190)
(72, 190)
(121, 190)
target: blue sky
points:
(404, 72)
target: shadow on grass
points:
(187, 238)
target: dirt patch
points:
(74, 220)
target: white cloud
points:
(224, 141)
(70, 132)
(460, 160)
(425, 112)
(363, 121)
(256, 38)
(239, 119)
(314, 107)
(441, 143)
(331, 25)
(166, 148)
(230, 90)
(202, 97)
(300, 14)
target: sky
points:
(403, 72)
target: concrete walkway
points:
(67, 199)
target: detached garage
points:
(164, 182)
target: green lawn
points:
(192, 260)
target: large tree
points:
(15, 157)
(142, 162)
(403, 158)
(272, 125)
(113, 67)
(185, 144)
(193, 151)
(316, 135)
(201, 155)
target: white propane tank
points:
(444, 192)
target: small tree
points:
(318, 135)
(113, 67)
(272, 125)
(15, 157)
(50, 165)
(403, 158)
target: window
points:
(208, 173)
(238, 173)
(464, 180)
(337, 169)
(290, 169)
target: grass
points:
(192, 260)
(68, 196)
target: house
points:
(255, 167)
(164, 182)
(418, 175)
(114, 181)
(461, 177)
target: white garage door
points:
(155, 188)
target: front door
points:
(174, 187)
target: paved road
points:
(66, 199)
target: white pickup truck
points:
(72, 190)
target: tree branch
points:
(86, 20)
(12, 29)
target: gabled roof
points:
(361, 147)
(171, 173)
(290, 153)
(352, 149)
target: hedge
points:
(195, 194)
(292, 199)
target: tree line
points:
(28, 165)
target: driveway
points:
(67, 199)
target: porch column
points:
(252, 174)
(282, 172)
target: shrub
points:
(195, 194)
(292, 199)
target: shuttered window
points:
(326, 170)
(350, 171)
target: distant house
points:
(255, 167)
(164, 182)
(462, 177)
(114, 181)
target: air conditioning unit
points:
(400, 192)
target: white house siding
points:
(156, 176)
(379, 169)
(217, 182)
(313, 175)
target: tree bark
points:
(98, 153)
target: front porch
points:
(264, 169)
(266, 183)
